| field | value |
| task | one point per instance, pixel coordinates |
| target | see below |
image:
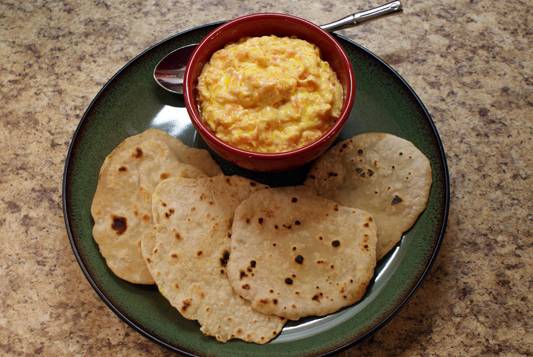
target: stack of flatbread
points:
(241, 258)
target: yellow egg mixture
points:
(269, 94)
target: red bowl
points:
(260, 25)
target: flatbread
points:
(121, 206)
(190, 252)
(379, 173)
(199, 158)
(296, 254)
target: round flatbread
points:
(121, 207)
(296, 254)
(379, 173)
(189, 253)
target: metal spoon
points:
(168, 73)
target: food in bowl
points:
(269, 94)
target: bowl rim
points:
(192, 108)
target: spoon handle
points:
(362, 16)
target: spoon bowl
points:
(169, 72)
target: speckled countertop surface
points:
(471, 62)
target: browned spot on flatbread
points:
(395, 200)
(185, 304)
(317, 297)
(138, 153)
(169, 213)
(122, 169)
(224, 259)
(288, 281)
(164, 175)
(119, 224)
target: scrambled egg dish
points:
(269, 94)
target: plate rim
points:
(410, 291)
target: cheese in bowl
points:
(269, 94)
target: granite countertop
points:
(471, 64)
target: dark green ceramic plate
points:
(131, 102)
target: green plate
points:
(131, 102)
